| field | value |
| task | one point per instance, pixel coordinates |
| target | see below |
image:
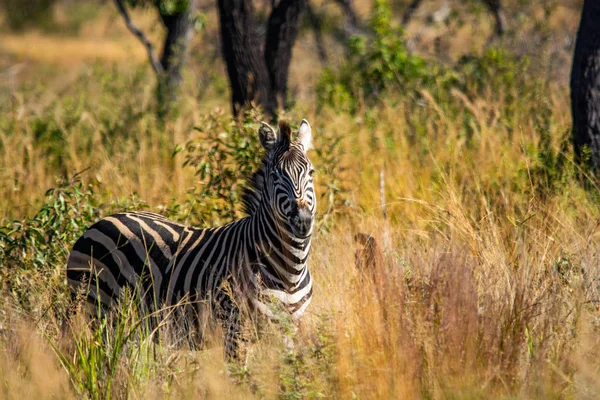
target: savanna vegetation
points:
(448, 145)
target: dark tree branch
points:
(352, 25)
(495, 7)
(317, 26)
(258, 71)
(350, 15)
(410, 10)
(156, 65)
(178, 34)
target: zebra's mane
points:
(253, 191)
(252, 194)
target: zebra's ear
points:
(305, 135)
(267, 135)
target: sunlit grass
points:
(488, 252)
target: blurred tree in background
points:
(257, 68)
(494, 7)
(258, 72)
(585, 86)
(177, 17)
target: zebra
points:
(255, 266)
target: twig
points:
(386, 234)
(352, 24)
(382, 194)
(156, 65)
(409, 11)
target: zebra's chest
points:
(275, 299)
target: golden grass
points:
(492, 284)
(104, 38)
(28, 367)
(68, 51)
(472, 315)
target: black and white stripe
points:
(239, 267)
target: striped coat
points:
(241, 269)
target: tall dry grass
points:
(488, 253)
(492, 284)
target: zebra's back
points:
(136, 250)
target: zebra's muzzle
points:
(302, 223)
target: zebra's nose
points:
(303, 222)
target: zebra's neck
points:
(277, 255)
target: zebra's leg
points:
(233, 337)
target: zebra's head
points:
(284, 179)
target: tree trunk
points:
(585, 85)
(168, 68)
(241, 47)
(179, 33)
(282, 29)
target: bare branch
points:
(410, 10)
(316, 24)
(140, 35)
(441, 15)
(382, 194)
(352, 22)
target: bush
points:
(374, 66)
(380, 67)
(34, 250)
(223, 157)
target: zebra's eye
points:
(311, 172)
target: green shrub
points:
(33, 251)
(496, 67)
(374, 65)
(223, 157)
(381, 67)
